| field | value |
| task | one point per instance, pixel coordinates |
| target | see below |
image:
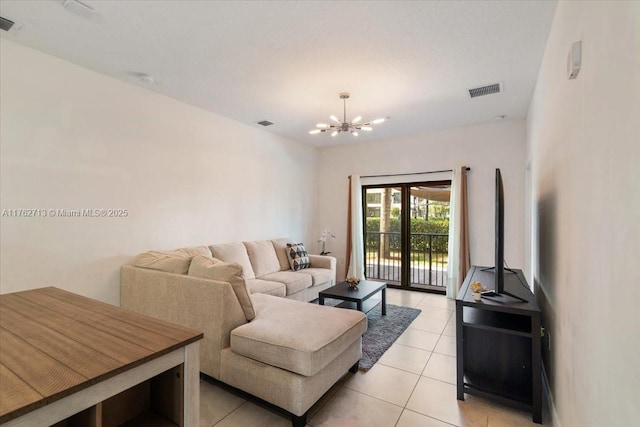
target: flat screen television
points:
(499, 260)
(498, 267)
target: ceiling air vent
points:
(485, 90)
(5, 24)
(265, 123)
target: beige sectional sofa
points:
(267, 269)
(264, 263)
(286, 352)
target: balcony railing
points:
(428, 258)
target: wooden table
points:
(359, 297)
(67, 360)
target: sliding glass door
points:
(406, 236)
(382, 236)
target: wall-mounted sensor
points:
(575, 60)
(145, 78)
(79, 8)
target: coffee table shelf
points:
(367, 305)
(361, 299)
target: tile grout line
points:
(377, 398)
(229, 414)
(404, 410)
(421, 375)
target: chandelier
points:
(353, 126)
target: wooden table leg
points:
(191, 389)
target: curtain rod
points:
(405, 174)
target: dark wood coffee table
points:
(366, 289)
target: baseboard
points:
(553, 413)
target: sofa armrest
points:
(205, 305)
(322, 261)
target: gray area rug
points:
(382, 331)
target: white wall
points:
(73, 139)
(482, 147)
(584, 146)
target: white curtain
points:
(455, 224)
(356, 255)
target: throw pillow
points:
(282, 252)
(213, 268)
(298, 256)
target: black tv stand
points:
(498, 344)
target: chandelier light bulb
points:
(335, 132)
(335, 119)
(377, 121)
(367, 128)
(357, 119)
(322, 125)
(315, 131)
(354, 133)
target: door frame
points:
(405, 228)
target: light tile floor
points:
(412, 385)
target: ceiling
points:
(286, 61)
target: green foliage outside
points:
(419, 243)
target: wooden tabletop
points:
(54, 343)
(366, 288)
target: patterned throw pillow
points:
(298, 256)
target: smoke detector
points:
(78, 8)
(145, 78)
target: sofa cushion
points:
(234, 252)
(293, 281)
(297, 336)
(259, 286)
(280, 246)
(168, 261)
(197, 250)
(318, 275)
(263, 257)
(298, 256)
(212, 268)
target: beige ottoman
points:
(292, 352)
